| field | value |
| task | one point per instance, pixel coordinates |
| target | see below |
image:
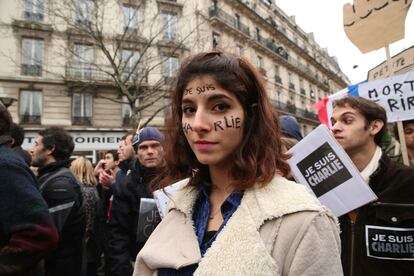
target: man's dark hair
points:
(395, 128)
(114, 154)
(59, 139)
(369, 109)
(127, 134)
(17, 133)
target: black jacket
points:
(62, 193)
(394, 186)
(123, 246)
(27, 232)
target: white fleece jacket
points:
(280, 229)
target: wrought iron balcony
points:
(229, 20)
(78, 120)
(31, 70)
(278, 79)
(291, 86)
(30, 119)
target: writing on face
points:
(220, 125)
(199, 89)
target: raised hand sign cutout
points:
(373, 24)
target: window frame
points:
(33, 118)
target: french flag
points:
(324, 106)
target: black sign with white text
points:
(323, 170)
(148, 219)
(389, 242)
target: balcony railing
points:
(31, 70)
(230, 20)
(291, 108)
(77, 120)
(30, 119)
(291, 86)
(32, 16)
(88, 73)
(302, 91)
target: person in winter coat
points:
(377, 238)
(82, 168)
(236, 214)
(123, 244)
(62, 193)
(27, 232)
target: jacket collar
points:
(239, 248)
(260, 200)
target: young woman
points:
(82, 168)
(236, 214)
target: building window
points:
(259, 62)
(81, 109)
(266, 2)
(239, 50)
(258, 36)
(126, 112)
(130, 61)
(85, 12)
(170, 26)
(32, 57)
(131, 18)
(30, 109)
(291, 84)
(34, 10)
(216, 39)
(237, 21)
(83, 59)
(168, 108)
(169, 67)
(278, 79)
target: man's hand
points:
(373, 24)
(107, 178)
(99, 167)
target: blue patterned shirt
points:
(201, 217)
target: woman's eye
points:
(221, 107)
(187, 110)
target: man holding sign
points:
(129, 206)
(378, 238)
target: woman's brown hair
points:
(260, 154)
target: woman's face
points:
(212, 121)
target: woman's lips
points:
(204, 145)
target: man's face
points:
(40, 155)
(150, 154)
(350, 129)
(409, 135)
(110, 163)
(125, 150)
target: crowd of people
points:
(238, 211)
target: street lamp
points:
(7, 101)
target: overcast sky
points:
(324, 19)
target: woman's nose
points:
(201, 122)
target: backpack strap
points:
(45, 179)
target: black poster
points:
(323, 170)
(148, 219)
(389, 242)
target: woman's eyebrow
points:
(214, 97)
(186, 101)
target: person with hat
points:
(123, 246)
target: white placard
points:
(320, 163)
(163, 196)
(395, 94)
